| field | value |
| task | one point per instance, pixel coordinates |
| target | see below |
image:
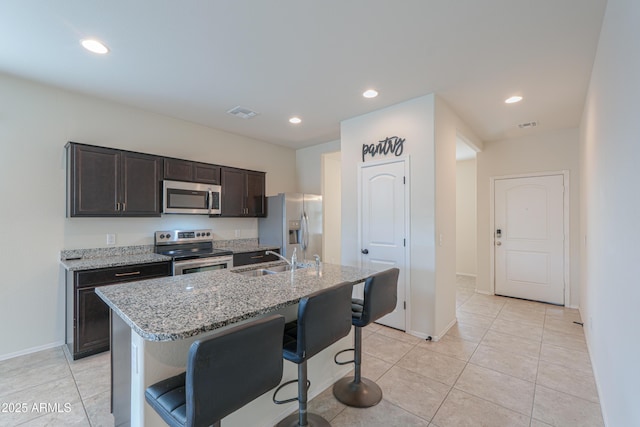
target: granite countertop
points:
(90, 259)
(177, 307)
(112, 261)
(241, 247)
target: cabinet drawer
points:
(247, 258)
(112, 275)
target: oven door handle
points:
(204, 261)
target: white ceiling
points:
(196, 59)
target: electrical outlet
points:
(111, 239)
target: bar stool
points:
(324, 317)
(380, 298)
(224, 373)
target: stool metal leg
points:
(303, 418)
(357, 391)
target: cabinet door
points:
(203, 172)
(92, 322)
(140, 184)
(93, 181)
(179, 170)
(255, 201)
(233, 192)
(246, 258)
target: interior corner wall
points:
(610, 213)
(447, 127)
(545, 152)
(466, 229)
(413, 120)
(36, 121)
(309, 166)
(331, 202)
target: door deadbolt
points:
(365, 251)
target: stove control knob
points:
(208, 234)
(162, 236)
(198, 235)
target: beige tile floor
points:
(506, 362)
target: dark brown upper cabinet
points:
(243, 193)
(103, 182)
(185, 170)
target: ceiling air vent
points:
(528, 125)
(242, 112)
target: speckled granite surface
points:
(89, 259)
(242, 245)
(173, 308)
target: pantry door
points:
(529, 238)
(383, 225)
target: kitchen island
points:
(153, 323)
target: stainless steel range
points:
(192, 251)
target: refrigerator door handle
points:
(305, 231)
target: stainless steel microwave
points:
(191, 198)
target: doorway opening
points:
(466, 219)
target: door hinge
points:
(405, 305)
(404, 179)
(404, 242)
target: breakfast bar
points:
(153, 323)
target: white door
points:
(529, 238)
(383, 226)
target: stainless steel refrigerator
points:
(294, 220)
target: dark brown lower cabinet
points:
(87, 315)
(247, 258)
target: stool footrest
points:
(293, 399)
(335, 358)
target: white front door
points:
(383, 197)
(529, 238)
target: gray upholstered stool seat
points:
(324, 317)
(380, 298)
(224, 373)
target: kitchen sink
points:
(257, 272)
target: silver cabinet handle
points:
(133, 273)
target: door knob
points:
(498, 243)
(365, 251)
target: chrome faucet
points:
(317, 258)
(291, 263)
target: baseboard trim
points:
(31, 350)
(446, 329)
(467, 274)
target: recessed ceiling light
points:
(370, 93)
(295, 120)
(513, 99)
(94, 46)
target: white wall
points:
(466, 230)
(35, 123)
(448, 128)
(430, 128)
(309, 166)
(551, 151)
(332, 202)
(610, 231)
